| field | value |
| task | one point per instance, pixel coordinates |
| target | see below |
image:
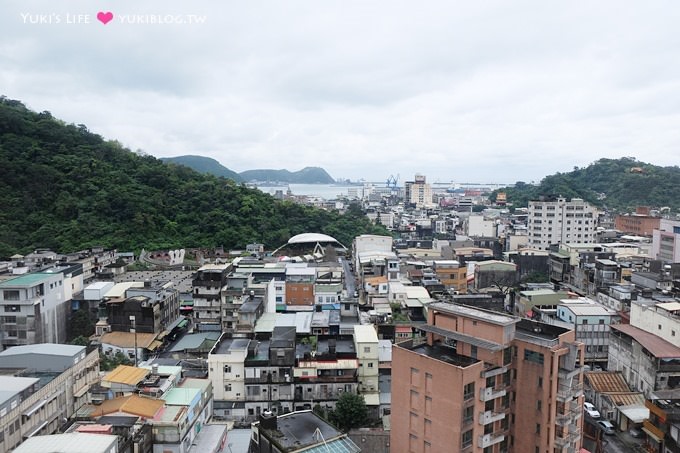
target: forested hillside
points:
(66, 188)
(620, 184)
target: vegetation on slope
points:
(66, 188)
(620, 184)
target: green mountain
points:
(66, 188)
(308, 175)
(204, 165)
(619, 184)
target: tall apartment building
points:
(33, 309)
(561, 221)
(207, 294)
(487, 382)
(418, 192)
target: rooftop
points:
(299, 430)
(136, 405)
(11, 385)
(441, 353)
(227, 345)
(607, 381)
(43, 348)
(477, 313)
(68, 443)
(26, 280)
(124, 374)
(657, 346)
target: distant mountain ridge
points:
(204, 165)
(619, 184)
(308, 175)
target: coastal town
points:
(475, 326)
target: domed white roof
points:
(306, 238)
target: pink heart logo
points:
(104, 17)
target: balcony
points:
(490, 393)
(494, 371)
(565, 374)
(564, 440)
(488, 440)
(567, 392)
(490, 416)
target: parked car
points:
(590, 410)
(606, 426)
(636, 432)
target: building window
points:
(538, 428)
(540, 382)
(468, 414)
(532, 356)
(466, 439)
(538, 405)
(469, 391)
(227, 388)
(227, 368)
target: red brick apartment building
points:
(486, 382)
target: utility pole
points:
(133, 322)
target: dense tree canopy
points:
(620, 184)
(66, 188)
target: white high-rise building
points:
(559, 221)
(418, 193)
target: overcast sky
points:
(490, 91)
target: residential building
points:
(366, 344)
(452, 275)
(557, 221)
(418, 193)
(591, 322)
(226, 369)
(50, 383)
(323, 374)
(300, 286)
(500, 275)
(207, 287)
(518, 385)
(33, 309)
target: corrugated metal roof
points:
(607, 381)
(134, 405)
(68, 443)
(657, 346)
(124, 374)
(43, 348)
(129, 339)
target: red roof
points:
(657, 346)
